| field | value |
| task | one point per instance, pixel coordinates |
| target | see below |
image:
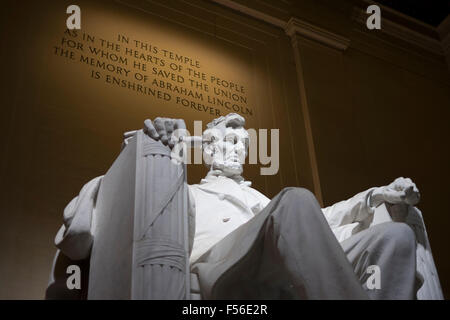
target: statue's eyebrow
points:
(230, 134)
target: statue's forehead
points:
(222, 131)
(240, 132)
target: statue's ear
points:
(208, 153)
(208, 149)
(210, 137)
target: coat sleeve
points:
(355, 209)
(74, 241)
(75, 236)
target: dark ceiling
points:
(432, 12)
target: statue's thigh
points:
(363, 247)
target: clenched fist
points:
(401, 191)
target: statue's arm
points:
(355, 209)
(358, 208)
(75, 236)
(74, 241)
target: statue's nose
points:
(239, 146)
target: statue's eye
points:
(230, 139)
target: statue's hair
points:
(233, 120)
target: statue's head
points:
(225, 144)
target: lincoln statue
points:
(243, 245)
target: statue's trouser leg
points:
(299, 242)
(392, 247)
(286, 251)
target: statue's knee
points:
(298, 194)
(401, 235)
(298, 201)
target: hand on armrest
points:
(402, 190)
(399, 193)
(168, 131)
(397, 196)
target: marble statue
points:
(244, 245)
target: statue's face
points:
(228, 149)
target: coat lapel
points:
(224, 187)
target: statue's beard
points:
(229, 168)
